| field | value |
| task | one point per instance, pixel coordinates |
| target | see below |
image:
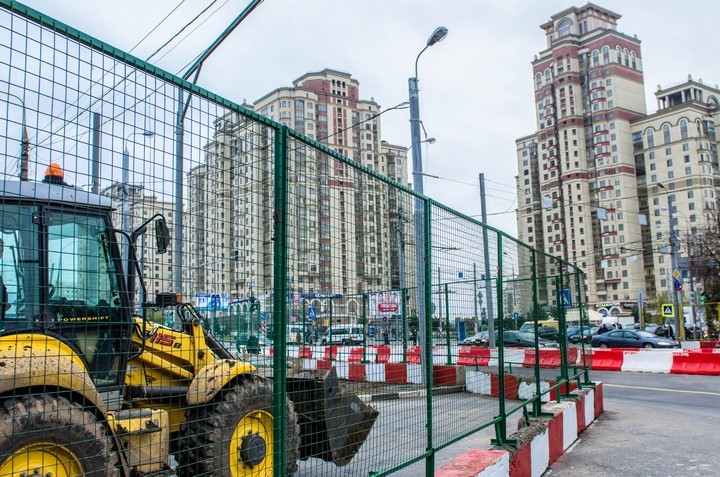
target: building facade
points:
(588, 177)
(344, 226)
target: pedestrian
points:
(386, 337)
(298, 338)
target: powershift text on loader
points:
(88, 388)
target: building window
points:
(633, 60)
(684, 132)
(650, 138)
(596, 58)
(538, 81)
(564, 27)
(666, 133)
(618, 53)
(606, 55)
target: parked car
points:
(476, 340)
(514, 339)
(575, 336)
(545, 331)
(632, 339)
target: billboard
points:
(211, 301)
(386, 303)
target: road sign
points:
(384, 319)
(263, 317)
(566, 302)
(676, 274)
(516, 315)
(677, 284)
(460, 274)
(668, 310)
(311, 313)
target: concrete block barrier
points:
(607, 359)
(474, 356)
(685, 362)
(647, 361)
(539, 448)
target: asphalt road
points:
(654, 425)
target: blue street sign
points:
(263, 317)
(311, 313)
(460, 274)
(678, 286)
(384, 319)
(566, 302)
(516, 315)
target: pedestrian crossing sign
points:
(668, 310)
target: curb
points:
(366, 398)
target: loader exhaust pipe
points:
(333, 426)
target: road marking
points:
(708, 393)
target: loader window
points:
(19, 267)
(83, 293)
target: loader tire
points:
(49, 435)
(232, 436)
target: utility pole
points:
(486, 254)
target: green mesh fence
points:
(192, 288)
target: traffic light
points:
(703, 297)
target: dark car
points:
(476, 340)
(517, 339)
(632, 339)
(575, 336)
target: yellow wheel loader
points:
(89, 388)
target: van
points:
(344, 335)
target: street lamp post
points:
(438, 35)
(24, 141)
(679, 325)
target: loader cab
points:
(61, 274)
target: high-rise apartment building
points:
(344, 226)
(577, 183)
(589, 178)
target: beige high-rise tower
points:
(576, 180)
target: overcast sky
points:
(476, 86)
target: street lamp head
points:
(661, 185)
(430, 140)
(148, 133)
(437, 36)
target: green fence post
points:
(562, 333)
(447, 326)
(501, 425)
(428, 358)
(364, 318)
(405, 326)
(303, 317)
(586, 373)
(330, 334)
(280, 265)
(537, 403)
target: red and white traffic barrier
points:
(686, 361)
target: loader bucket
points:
(333, 426)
